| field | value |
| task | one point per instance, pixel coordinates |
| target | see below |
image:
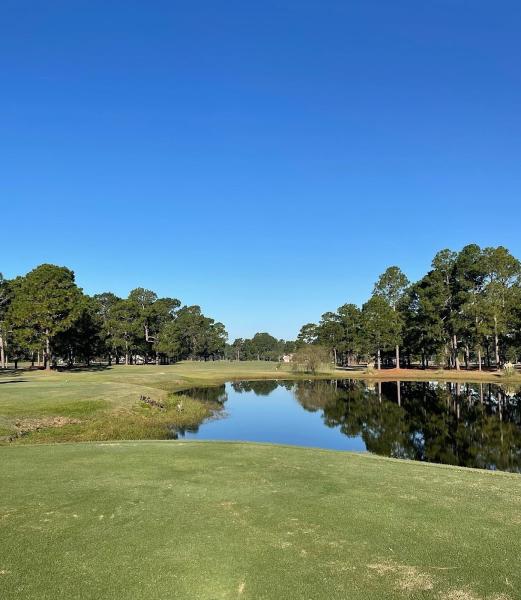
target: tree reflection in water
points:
(260, 388)
(473, 425)
(214, 393)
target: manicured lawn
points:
(161, 520)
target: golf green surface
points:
(160, 520)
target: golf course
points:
(260, 300)
(108, 518)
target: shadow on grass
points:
(82, 368)
(8, 373)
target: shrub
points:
(311, 359)
(508, 370)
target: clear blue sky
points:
(266, 160)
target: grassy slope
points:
(97, 396)
(214, 520)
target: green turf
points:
(160, 520)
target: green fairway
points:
(223, 520)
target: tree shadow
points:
(82, 368)
(11, 373)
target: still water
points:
(473, 425)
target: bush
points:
(508, 370)
(311, 359)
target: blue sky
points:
(266, 160)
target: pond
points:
(472, 425)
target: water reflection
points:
(215, 393)
(261, 388)
(474, 425)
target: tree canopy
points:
(466, 309)
(45, 316)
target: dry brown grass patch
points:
(408, 577)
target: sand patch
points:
(408, 578)
(25, 426)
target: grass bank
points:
(104, 403)
(163, 520)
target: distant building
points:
(287, 358)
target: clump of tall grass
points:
(142, 422)
(508, 370)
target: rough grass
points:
(141, 422)
(161, 520)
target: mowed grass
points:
(38, 392)
(161, 520)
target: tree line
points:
(262, 346)
(465, 311)
(46, 318)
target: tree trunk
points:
(456, 357)
(2, 353)
(496, 342)
(479, 358)
(397, 350)
(379, 361)
(334, 355)
(47, 351)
